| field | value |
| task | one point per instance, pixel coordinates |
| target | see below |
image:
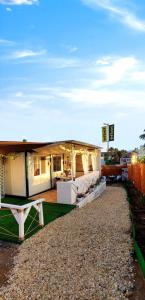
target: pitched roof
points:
(15, 146)
(79, 143)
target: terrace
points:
(66, 170)
(49, 196)
(26, 171)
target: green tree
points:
(142, 136)
(114, 154)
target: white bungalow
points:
(28, 169)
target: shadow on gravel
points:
(7, 253)
(139, 291)
(137, 209)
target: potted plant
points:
(80, 197)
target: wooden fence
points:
(136, 173)
(110, 170)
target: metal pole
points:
(107, 137)
(107, 125)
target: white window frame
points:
(39, 163)
(60, 163)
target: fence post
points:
(21, 224)
(41, 217)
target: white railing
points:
(96, 192)
(84, 182)
(67, 191)
(20, 213)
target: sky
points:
(68, 66)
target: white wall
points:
(15, 176)
(67, 191)
(99, 161)
(40, 183)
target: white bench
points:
(20, 213)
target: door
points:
(79, 166)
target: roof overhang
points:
(15, 147)
(67, 146)
(60, 146)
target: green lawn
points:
(9, 226)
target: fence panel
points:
(136, 173)
(109, 170)
(137, 176)
(143, 178)
(129, 172)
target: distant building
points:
(125, 160)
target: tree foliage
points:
(142, 136)
(114, 154)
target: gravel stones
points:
(84, 255)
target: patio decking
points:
(49, 196)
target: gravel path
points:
(7, 253)
(84, 255)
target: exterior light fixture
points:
(134, 158)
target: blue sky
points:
(68, 66)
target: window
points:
(56, 163)
(36, 166)
(90, 167)
(79, 164)
(43, 165)
(39, 165)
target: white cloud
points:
(26, 53)
(73, 49)
(113, 83)
(5, 42)
(8, 9)
(138, 76)
(89, 97)
(61, 62)
(21, 104)
(70, 48)
(19, 94)
(123, 14)
(107, 98)
(43, 58)
(18, 2)
(109, 85)
(122, 115)
(105, 60)
(114, 70)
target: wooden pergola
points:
(69, 150)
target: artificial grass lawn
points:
(9, 226)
